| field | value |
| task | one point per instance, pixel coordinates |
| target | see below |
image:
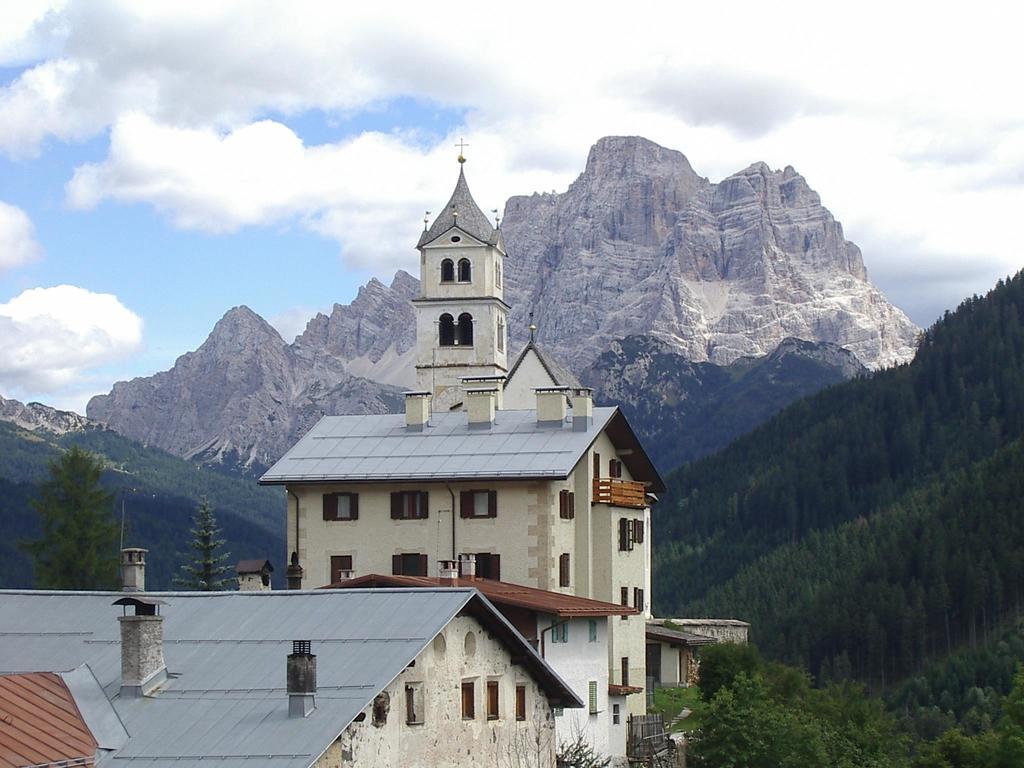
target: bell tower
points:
(461, 314)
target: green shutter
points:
(593, 697)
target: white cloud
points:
(905, 127)
(50, 337)
(292, 321)
(17, 237)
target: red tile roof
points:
(40, 722)
(500, 593)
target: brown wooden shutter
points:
(492, 503)
(563, 500)
(563, 570)
(625, 670)
(623, 534)
(353, 506)
(465, 504)
(396, 565)
(424, 505)
(422, 565)
(624, 595)
(638, 530)
(597, 465)
(496, 567)
(468, 704)
(520, 702)
(396, 505)
(330, 506)
(572, 505)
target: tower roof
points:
(462, 212)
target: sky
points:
(161, 163)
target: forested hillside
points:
(875, 523)
(160, 493)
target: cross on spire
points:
(462, 145)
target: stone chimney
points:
(133, 569)
(582, 409)
(142, 646)
(254, 575)
(551, 410)
(294, 573)
(480, 405)
(498, 382)
(301, 679)
(449, 572)
(467, 566)
(417, 411)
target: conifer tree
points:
(206, 569)
(77, 548)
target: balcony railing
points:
(619, 493)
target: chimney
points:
(254, 575)
(142, 646)
(467, 566)
(498, 382)
(449, 572)
(417, 411)
(480, 404)
(294, 573)
(551, 409)
(582, 409)
(133, 569)
(301, 679)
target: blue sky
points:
(169, 163)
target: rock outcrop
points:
(36, 416)
(641, 245)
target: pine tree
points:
(78, 545)
(205, 572)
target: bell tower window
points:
(447, 271)
(446, 330)
(501, 335)
(465, 271)
(465, 330)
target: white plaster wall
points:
(444, 738)
(482, 259)
(670, 670)
(519, 394)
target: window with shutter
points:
(409, 505)
(592, 627)
(624, 599)
(597, 465)
(492, 503)
(592, 696)
(488, 566)
(563, 570)
(572, 505)
(341, 506)
(492, 699)
(396, 565)
(330, 506)
(638, 531)
(638, 598)
(468, 700)
(625, 670)
(414, 704)
(478, 504)
(520, 703)
(341, 567)
(625, 534)
(409, 564)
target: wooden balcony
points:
(619, 493)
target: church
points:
(502, 471)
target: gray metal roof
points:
(461, 211)
(225, 699)
(381, 448)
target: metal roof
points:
(500, 593)
(461, 211)
(225, 699)
(39, 722)
(379, 447)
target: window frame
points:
(331, 505)
(469, 686)
(467, 504)
(398, 564)
(351, 560)
(566, 504)
(414, 696)
(447, 330)
(592, 697)
(624, 670)
(469, 271)
(493, 698)
(564, 570)
(450, 263)
(592, 634)
(402, 508)
(520, 702)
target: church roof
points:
(560, 375)
(461, 211)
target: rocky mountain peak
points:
(36, 416)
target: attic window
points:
(456, 239)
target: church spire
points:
(461, 211)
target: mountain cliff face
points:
(240, 399)
(685, 410)
(641, 245)
(36, 416)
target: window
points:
(563, 570)
(341, 567)
(446, 330)
(638, 599)
(501, 335)
(478, 504)
(592, 626)
(497, 273)
(341, 506)
(614, 468)
(488, 566)
(625, 670)
(560, 632)
(409, 505)
(624, 599)
(638, 531)
(381, 709)
(465, 271)
(409, 565)
(566, 505)
(447, 271)
(464, 335)
(492, 699)
(414, 704)
(520, 703)
(615, 714)
(592, 696)
(597, 465)
(468, 700)
(625, 535)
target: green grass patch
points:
(671, 701)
